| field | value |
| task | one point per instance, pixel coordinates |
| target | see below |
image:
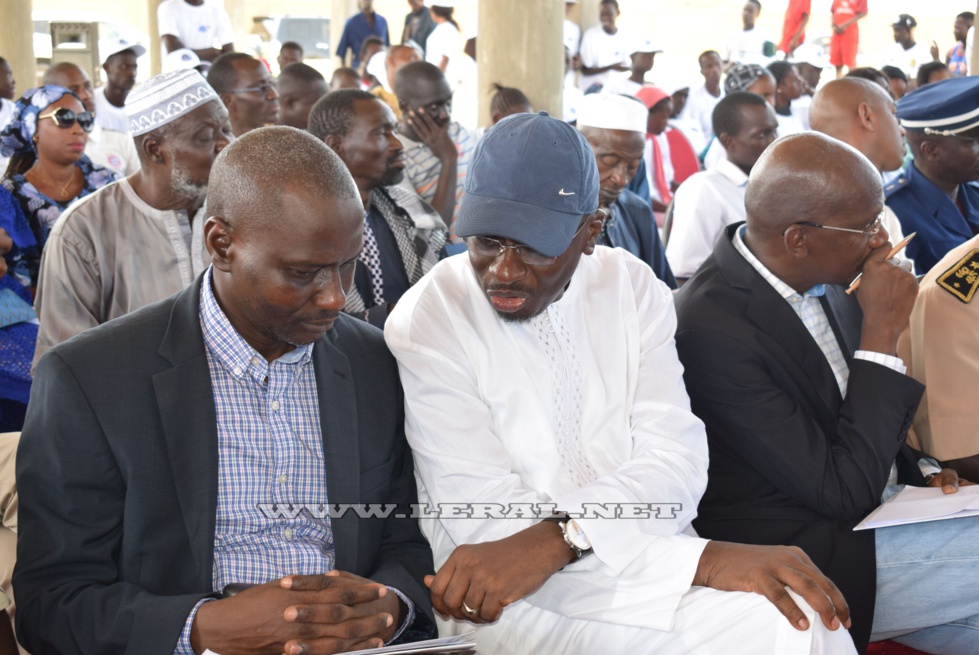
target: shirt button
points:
(275, 405)
(254, 361)
(288, 533)
(237, 370)
(283, 478)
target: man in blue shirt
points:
(615, 127)
(359, 27)
(936, 196)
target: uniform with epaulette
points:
(941, 350)
(946, 108)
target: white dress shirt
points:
(703, 206)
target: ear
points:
(929, 149)
(217, 240)
(153, 148)
(866, 116)
(795, 241)
(228, 99)
(335, 144)
(725, 140)
(594, 228)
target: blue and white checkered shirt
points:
(271, 462)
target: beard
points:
(392, 176)
(181, 186)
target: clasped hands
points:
(309, 614)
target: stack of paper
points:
(459, 643)
(920, 504)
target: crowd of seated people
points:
(298, 365)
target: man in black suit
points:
(805, 402)
(191, 449)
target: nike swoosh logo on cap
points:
(562, 193)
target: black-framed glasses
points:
(262, 88)
(65, 118)
(870, 230)
(489, 247)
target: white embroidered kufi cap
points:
(165, 98)
(612, 112)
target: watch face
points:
(577, 536)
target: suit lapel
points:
(773, 316)
(185, 400)
(845, 317)
(341, 443)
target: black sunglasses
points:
(65, 118)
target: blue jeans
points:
(928, 586)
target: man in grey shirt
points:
(133, 243)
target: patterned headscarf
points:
(18, 136)
(742, 76)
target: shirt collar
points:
(229, 348)
(731, 171)
(784, 290)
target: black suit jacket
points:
(791, 460)
(117, 472)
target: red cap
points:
(651, 95)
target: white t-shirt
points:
(621, 84)
(108, 115)
(445, 41)
(700, 109)
(572, 36)
(197, 27)
(746, 47)
(600, 49)
(909, 60)
(800, 110)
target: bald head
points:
(252, 175)
(861, 114)
(417, 79)
(74, 79)
(800, 186)
(827, 178)
(397, 58)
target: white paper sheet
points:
(444, 645)
(920, 504)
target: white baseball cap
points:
(115, 46)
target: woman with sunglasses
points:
(48, 169)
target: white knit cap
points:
(448, 4)
(612, 112)
(165, 98)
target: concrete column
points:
(155, 47)
(589, 13)
(17, 42)
(974, 64)
(520, 44)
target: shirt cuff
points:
(893, 363)
(406, 621)
(183, 644)
(929, 466)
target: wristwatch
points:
(572, 533)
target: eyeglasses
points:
(263, 89)
(488, 247)
(65, 118)
(872, 228)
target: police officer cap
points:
(945, 108)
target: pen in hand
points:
(894, 251)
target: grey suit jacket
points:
(118, 475)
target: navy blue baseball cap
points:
(945, 108)
(532, 179)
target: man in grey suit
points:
(195, 448)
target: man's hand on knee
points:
(768, 570)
